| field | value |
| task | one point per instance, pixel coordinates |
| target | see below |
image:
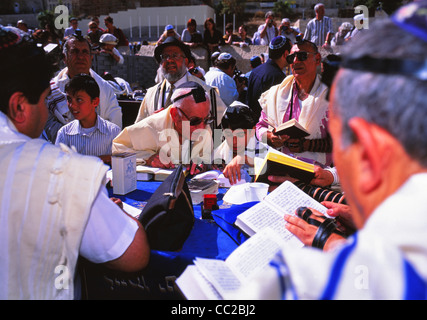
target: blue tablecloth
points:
(210, 238)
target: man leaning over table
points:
(178, 134)
(54, 204)
(173, 56)
(380, 151)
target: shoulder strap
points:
(157, 96)
(214, 107)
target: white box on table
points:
(124, 173)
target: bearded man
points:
(173, 57)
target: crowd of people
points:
(366, 134)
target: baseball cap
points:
(108, 38)
(169, 27)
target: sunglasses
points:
(174, 56)
(301, 55)
(196, 121)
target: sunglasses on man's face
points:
(301, 55)
(196, 120)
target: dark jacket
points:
(261, 79)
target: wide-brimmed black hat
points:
(171, 41)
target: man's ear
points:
(17, 108)
(372, 151)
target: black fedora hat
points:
(171, 41)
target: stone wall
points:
(142, 68)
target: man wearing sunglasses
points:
(300, 96)
(178, 134)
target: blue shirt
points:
(95, 141)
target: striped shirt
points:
(317, 30)
(95, 141)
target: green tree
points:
(282, 8)
(232, 7)
(46, 17)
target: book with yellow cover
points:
(280, 164)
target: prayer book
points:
(292, 128)
(212, 279)
(270, 212)
(146, 173)
(280, 164)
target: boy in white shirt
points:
(88, 133)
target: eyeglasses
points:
(196, 121)
(174, 56)
(301, 55)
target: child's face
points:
(237, 139)
(82, 106)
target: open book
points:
(146, 173)
(270, 212)
(292, 128)
(281, 164)
(218, 279)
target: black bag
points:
(168, 216)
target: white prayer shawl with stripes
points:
(387, 259)
(314, 112)
(46, 196)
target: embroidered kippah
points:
(413, 18)
(224, 56)
(277, 42)
(9, 36)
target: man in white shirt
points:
(221, 76)
(54, 203)
(78, 59)
(268, 30)
(379, 133)
(71, 29)
(319, 29)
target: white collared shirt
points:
(95, 141)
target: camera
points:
(240, 77)
(193, 70)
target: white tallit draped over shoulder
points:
(314, 112)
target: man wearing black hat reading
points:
(269, 73)
(177, 134)
(173, 56)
